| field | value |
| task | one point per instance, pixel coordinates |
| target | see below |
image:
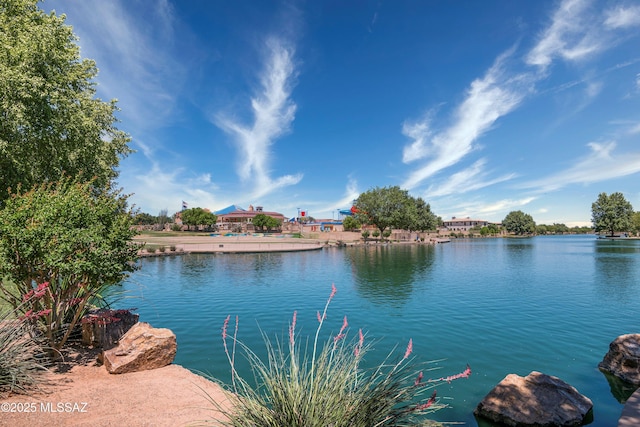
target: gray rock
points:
(141, 348)
(623, 358)
(538, 400)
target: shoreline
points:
(170, 245)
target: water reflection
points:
(386, 274)
(518, 250)
(620, 389)
(617, 267)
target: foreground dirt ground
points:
(87, 395)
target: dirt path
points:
(88, 395)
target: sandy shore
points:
(88, 396)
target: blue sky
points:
(479, 107)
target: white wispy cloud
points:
(495, 94)
(158, 187)
(575, 32)
(504, 205)
(134, 57)
(470, 179)
(572, 35)
(623, 17)
(600, 164)
(351, 193)
(273, 112)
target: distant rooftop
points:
(229, 209)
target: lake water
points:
(549, 304)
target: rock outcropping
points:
(141, 348)
(535, 400)
(623, 358)
(103, 328)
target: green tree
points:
(143, 218)
(560, 228)
(381, 206)
(263, 222)
(420, 216)
(611, 213)
(197, 217)
(635, 222)
(61, 246)
(51, 123)
(519, 223)
(384, 207)
(493, 229)
(350, 223)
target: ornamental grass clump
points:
(20, 355)
(319, 385)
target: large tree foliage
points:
(420, 216)
(51, 123)
(61, 246)
(393, 207)
(263, 222)
(611, 213)
(519, 223)
(350, 223)
(635, 222)
(198, 216)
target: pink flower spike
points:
(224, 327)
(409, 348)
(428, 403)
(333, 290)
(419, 379)
(344, 325)
(361, 336)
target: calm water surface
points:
(550, 304)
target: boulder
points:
(623, 359)
(103, 328)
(538, 400)
(141, 348)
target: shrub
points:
(162, 249)
(151, 249)
(172, 248)
(326, 386)
(19, 352)
(62, 245)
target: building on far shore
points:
(235, 218)
(463, 224)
